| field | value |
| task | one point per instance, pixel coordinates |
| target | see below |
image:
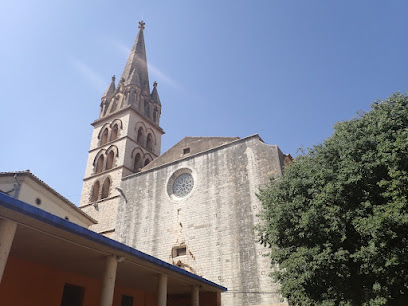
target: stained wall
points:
(214, 222)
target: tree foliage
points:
(337, 221)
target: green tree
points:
(337, 221)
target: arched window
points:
(114, 133)
(105, 188)
(109, 161)
(104, 138)
(95, 192)
(140, 136)
(149, 142)
(147, 161)
(138, 163)
(99, 164)
(147, 108)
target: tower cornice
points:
(124, 110)
(108, 144)
(106, 172)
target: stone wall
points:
(210, 231)
(104, 210)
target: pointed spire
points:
(155, 94)
(110, 90)
(135, 71)
(133, 78)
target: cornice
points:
(124, 110)
(95, 175)
(117, 140)
(99, 201)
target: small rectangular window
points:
(181, 251)
(127, 300)
(186, 150)
(72, 295)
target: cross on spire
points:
(141, 25)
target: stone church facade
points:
(194, 206)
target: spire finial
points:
(155, 84)
(113, 78)
(141, 25)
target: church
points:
(195, 205)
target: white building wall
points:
(35, 194)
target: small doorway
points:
(73, 295)
(127, 300)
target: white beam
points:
(109, 278)
(162, 290)
(195, 296)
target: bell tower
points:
(126, 137)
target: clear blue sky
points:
(287, 70)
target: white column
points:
(108, 285)
(195, 296)
(7, 231)
(162, 290)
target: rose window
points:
(183, 185)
